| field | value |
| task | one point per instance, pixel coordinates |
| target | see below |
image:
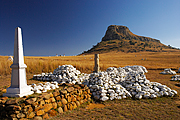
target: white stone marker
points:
(19, 87)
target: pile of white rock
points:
(63, 74)
(139, 87)
(175, 78)
(168, 71)
(103, 87)
(40, 87)
(114, 83)
(44, 77)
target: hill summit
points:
(116, 32)
(120, 38)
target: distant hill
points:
(120, 38)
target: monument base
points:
(18, 92)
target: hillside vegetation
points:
(120, 38)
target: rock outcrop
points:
(116, 32)
(121, 39)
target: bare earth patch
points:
(93, 105)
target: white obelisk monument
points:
(19, 87)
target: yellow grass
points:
(151, 60)
(160, 108)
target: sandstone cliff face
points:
(116, 32)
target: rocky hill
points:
(120, 38)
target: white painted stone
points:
(179, 70)
(10, 58)
(19, 87)
(168, 71)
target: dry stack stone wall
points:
(42, 106)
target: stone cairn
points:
(114, 83)
(63, 74)
(175, 78)
(168, 71)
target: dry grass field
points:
(155, 62)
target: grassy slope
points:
(160, 108)
(128, 46)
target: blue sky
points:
(70, 27)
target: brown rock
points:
(31, 115)
(17, 112)
(54, 105)
(20, 115)
(14, 119)
(35, 104)
(59, 104)
(46, 96)
(64, 92)
(89, 99)
(74, 105)
(23, 104)
(11, 102)
(62, 96)
(47, 107)
(10, 107)
(31, 101)
(85, 96)
(41, 102)
(17, 108)
(78, 98)
(64, 101)
(65, 96)
(79, 92)
(69, 98)
(82, 96)
(65, 108)
(47, 101)
(3, 101)
(40, 112)
(77, 86)
(51, 95)
(46, 116)
(58, 98)
(23, 119)
(86, 87)
(88, 91)
(56, 93)
(70, 89)
(4, 98)
(73, 99)
(60, 110)
(36, 108)
(37, 118)
(85, 92)
(52, 112)
(81, 101)
(70, 107)
(89, 96)
(82, 85)
(4, 91)
(78, 103)
(52, 100)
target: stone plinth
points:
(19, 87)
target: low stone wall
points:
(42, 106)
